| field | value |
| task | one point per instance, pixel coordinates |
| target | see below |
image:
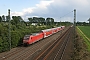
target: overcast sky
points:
(60, 10)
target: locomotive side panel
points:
(36, 37)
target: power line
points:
(66, 14)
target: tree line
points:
(82, 24)
(16, 19)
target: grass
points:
(86, 31)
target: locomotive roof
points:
(34, 33)
(27, 35)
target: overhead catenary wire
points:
(66, 14)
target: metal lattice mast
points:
(74, 17)
(74, 22)
(9, 29)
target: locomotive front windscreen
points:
(26, 37)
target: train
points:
(34, 37)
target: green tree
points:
(89, 21)
(52, 21)
(7, 18)
(35, 19)
(20, 18)
(3, 18)
(1, 45)
(30, 20)
(17, 19)
(0, 19)
(49, 21)
(41, 20)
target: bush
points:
(0, 44)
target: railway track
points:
(56, 50)
(27, 53)
(7, 55)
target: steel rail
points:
(51, 47)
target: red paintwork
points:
(47, 32)
(54, 30)
(59, 28)
(35, 38)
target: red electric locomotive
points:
(29, 39)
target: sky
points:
(60, 10)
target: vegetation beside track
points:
(81, 51)
(84, 32)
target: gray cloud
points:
(59, 8)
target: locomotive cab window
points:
(26, 37)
